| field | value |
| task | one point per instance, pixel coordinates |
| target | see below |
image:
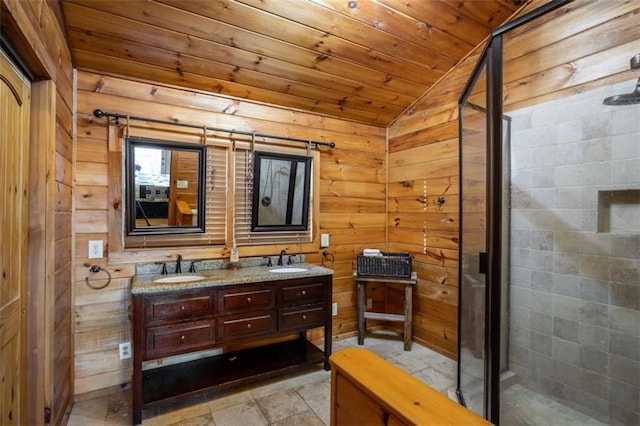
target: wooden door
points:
(14, 160)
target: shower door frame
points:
(491, 57)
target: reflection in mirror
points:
(281, 191)
(165, 190)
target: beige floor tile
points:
(230, 400)
(119, 409)
(436, 379)
(409, 362)
(93, 411)
(282, 405)
(204, 420)
(176, 416)
(324, 413)
(245, 414)
(77, 420)
(308, 418)
(316, 394)
(304, 398)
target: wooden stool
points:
(363, 315)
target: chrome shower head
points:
(625, 99)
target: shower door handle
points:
(482, 263)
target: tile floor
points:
(296, 399)
(303, 398)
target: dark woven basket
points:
(387, 265)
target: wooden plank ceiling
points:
(362, 60)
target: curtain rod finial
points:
(98, 113)
(332, 144)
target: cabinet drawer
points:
(293, 319)
(239, 326)
(180, 308)
(173, 339)
(247, 298)
(303, 293)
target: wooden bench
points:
(367, 390)
(184, 214)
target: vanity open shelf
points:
(230, 312)
(240, 367)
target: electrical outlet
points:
(125, 350)
(95, 249)
(324, 240)
(369, 303)
(334, 308)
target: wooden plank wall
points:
(36, 30)
(580, 46)
(352, 206)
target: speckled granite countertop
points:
(145, 283)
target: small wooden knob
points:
(182, 337)
(182, 308)
(248, 300)
(304, 292)
(248, 325)
(304, 317)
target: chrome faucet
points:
(178, 264)
(282, 253)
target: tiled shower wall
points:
(575, 292)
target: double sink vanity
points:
(218, 309)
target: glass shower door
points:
(472, 292)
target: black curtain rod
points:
(100, 113)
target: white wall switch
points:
(334, 308)
(324, 240)
(182, 184)
(95, 249)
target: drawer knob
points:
(182, 308)
(248, 300)
(249, 325)
(182, 337)
(304, 317)
(304, 292)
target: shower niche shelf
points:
(619, 211)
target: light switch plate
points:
(95, 249)
(334, 309)
(324, 240)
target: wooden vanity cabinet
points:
(179, 322)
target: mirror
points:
(281, 191)
(164, 187)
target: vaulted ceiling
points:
(363, 60)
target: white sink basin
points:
(287, 270)
(179, 279)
